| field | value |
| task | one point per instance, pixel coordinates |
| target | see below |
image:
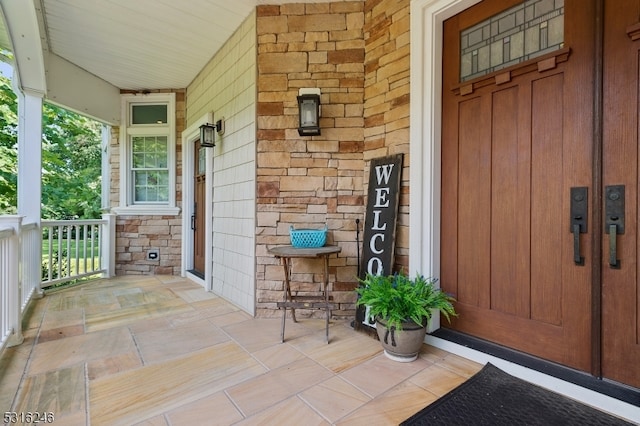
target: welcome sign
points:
(381, 215)
(380, 220)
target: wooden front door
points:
(198, 219)
(620, 292)
(515, 142)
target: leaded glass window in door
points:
(528, 30)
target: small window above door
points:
(526, 31)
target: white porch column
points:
(30, 183)
(106, 167)
(29, 156)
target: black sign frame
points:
(383, 199)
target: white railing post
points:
(31, 263)
(10, 281)
(108, 245)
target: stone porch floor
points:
(161, 351)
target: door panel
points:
(510, 167)
(475, 190)
(620, 293)
(513, 144)
(505, 224)
(199, 209)
(548, 223)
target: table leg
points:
(286, 296)
(325, 286)
(287, 275)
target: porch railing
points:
(73, 249)
(34, 256)
(31, 249)
(9, 288)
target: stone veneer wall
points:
(386, 99)
(135, 234)
(309, 181)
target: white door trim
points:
(189, 136)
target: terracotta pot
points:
(401, 345)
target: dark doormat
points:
(493, 397)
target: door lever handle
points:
(577, 259)
(614, 262)
(579, 214)
(614, 220)
(193, 222)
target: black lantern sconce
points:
(208, 133)
(309, 107)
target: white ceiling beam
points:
(71, 87)
(22, 26)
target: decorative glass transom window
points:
(523, 32)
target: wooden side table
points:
(285, 254)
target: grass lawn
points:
(73, 247)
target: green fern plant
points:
(397, 298)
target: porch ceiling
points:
(142, 44)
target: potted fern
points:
(402, 308)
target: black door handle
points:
(193, 222)
(614, 220)
(614, 262)
(579, 210)
(577, 259)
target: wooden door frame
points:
(189, 136)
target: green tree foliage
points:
(8, 147)
(71, 160)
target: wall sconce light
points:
(309, 107)
(208, 135)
